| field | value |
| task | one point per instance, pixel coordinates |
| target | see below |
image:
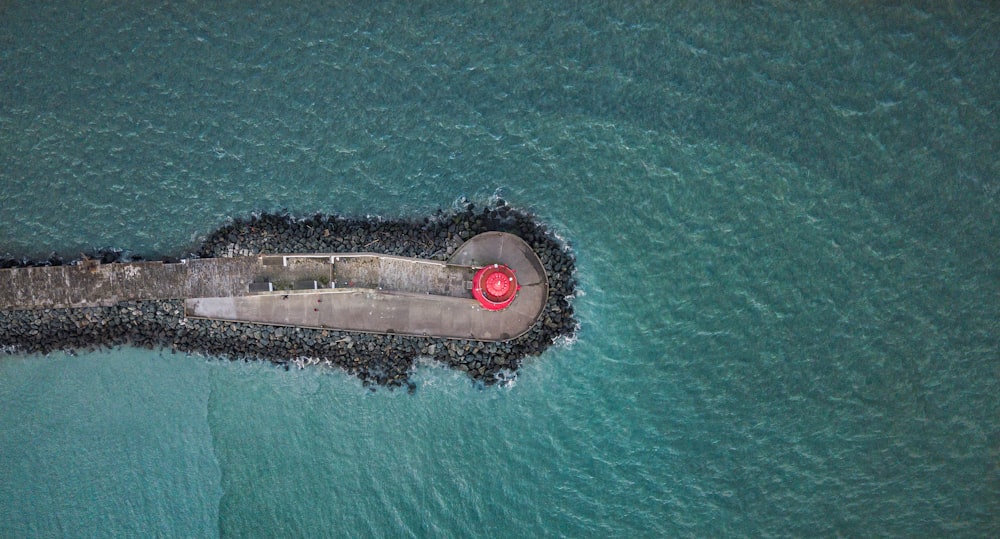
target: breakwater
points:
(376, 359)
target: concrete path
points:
(414, 297)
(354, 291)
(366, 310)
(102, 285)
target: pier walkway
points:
(401, 295)
(92, 284)
(348, 291)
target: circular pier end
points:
(495, 287)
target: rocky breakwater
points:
(386, 360)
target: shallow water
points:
(785, 223)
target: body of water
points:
(785, 222)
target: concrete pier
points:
(92, 284)
(348, 291)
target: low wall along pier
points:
(371, 311)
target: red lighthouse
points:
(495, 287)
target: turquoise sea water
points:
(785, 223)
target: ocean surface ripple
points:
(784, 217)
